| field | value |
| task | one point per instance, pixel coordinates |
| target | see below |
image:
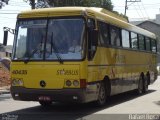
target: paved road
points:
(123, 107)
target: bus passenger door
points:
(92, 38)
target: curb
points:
(4, 92)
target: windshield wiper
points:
(32, 53)
(56, 50)
(40, 46)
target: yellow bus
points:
(79, 55)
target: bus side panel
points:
(123, 67)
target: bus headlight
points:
(17, 82)
(68, 83)
(72, 83)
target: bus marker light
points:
(76, 83)
(83, 83)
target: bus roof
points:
(98, 13)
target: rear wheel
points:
(45, 103)
(102, 95)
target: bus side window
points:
(153, 45)
(125, 39)
(91, 23)
(141, 42)
(115, 36)
(103, 33)
(134, 40)
(148, 44)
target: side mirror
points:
(5, 38)
(6, 30)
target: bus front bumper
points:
(63, 95)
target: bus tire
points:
(145, 84)
(45, 103)
(101, 95)
(140, 85)
(148, 78)
(108, 88)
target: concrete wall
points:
(157, 20)
(2, 54)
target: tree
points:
(42, 4)
(3, 2)
(107, 4)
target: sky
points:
(144, 10)
(8, 15)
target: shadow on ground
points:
(70, 111)
(157, 102)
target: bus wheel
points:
(140, 85)
(145, 84)
(102, 95)
(45, 103)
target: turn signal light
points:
(68, 83)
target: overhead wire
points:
(145, 10)
(7, 13)
(143, 16)
(152, 8)
(9, 10)
(18, 3)
(155, 4)
(4, 18)
(144, 6)
(139, 8)
(137, 12)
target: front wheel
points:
(102, 95)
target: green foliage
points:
(107, 4)
(121, 15)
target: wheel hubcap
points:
(102, 95)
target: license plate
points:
(44, 98)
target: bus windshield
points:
(49, 39)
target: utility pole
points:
(126, 5)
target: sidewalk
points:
(5, 90)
